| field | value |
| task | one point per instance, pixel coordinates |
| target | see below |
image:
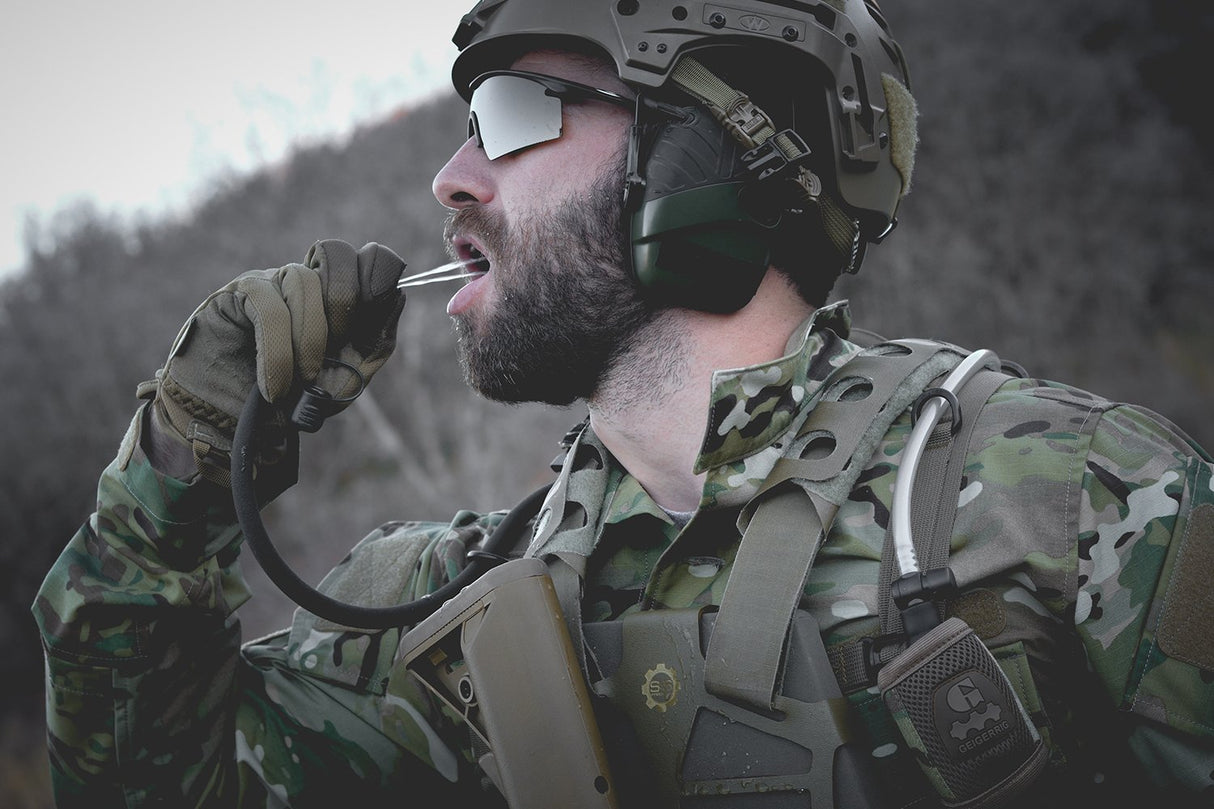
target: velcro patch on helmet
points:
(903, 128)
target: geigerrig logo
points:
(971, 717)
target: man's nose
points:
(465, 178)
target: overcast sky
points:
(135, 104)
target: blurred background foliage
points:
(1060, 215)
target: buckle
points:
(768, 158)
(743, 119)
(871, 649)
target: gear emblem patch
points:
(661, 688)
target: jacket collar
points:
(752, 407)
(753, 417)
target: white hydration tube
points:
(452, 271)
(929, 416)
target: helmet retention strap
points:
(753, 128)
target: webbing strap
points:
(786, 522)
(933, 511)
(936, 525)
(744, 656)
(936, 488)
(746, 122)
(929, 488)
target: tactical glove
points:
(329, 321)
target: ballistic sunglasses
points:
(511, 109)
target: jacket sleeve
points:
(140, 642)
(1145, 606)
(152, 701)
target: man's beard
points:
(567, 306)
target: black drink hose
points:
(248, 514)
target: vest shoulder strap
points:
(933, 511)
(787, 521)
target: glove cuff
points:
(210, 445)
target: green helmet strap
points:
(713, 189)
(753, 128)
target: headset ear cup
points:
(692, 270)
(696, 239)
(699, 249)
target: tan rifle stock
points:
(498, 654)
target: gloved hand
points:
(280, 328)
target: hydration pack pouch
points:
(956, 710)
(499, 655)
(676, 745)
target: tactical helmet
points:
(709, 196)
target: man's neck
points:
(652, 409)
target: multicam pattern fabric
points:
(1083, 544)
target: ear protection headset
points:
(713, 183)
(699, 239)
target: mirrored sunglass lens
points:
(511, 113)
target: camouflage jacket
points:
(1083, 545)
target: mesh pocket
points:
(954, 704)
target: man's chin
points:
(514, 386)
(512, 393)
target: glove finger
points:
(263, 304)
(378, 270)
(373, 335)
(337, 264)
(304, 296)
(363, 306)
(368, 352)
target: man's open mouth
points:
(470, 264)
(475, 262)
